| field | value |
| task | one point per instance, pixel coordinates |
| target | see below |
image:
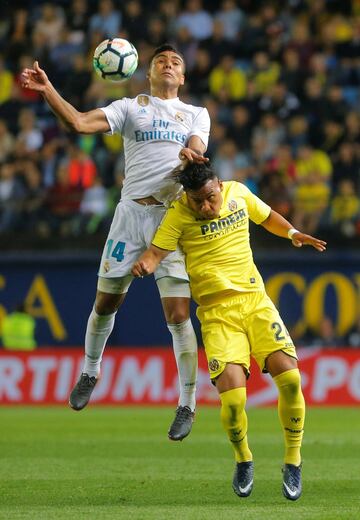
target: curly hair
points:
(193, 176)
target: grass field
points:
(116, 463)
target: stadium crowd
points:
(280, 80)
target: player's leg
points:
(175, 299)
(109, 296)
(274, 352)
(291, 408)
(231, 385)
(123, 246)
(228, 354)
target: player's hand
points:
(34, 79)
(300, 239)
(141, 268)
(187, 154)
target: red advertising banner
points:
(148, 376)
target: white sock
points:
(97, 332)
(185, 351)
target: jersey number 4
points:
(116, 252)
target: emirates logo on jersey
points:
(143, 101)
(232, 205)
(179, 117)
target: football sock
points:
(185, 351)
(234, 421)
(291, 408)
(97, 332)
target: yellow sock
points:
(234, 421)
(291, 408)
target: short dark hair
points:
(193, 176)
(165, 47)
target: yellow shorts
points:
(240, 326)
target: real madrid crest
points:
(179, 117)
(142, 100)
(106, 266)
(232, 205)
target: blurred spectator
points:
(7, 142)
(78, 82)
(18, 329)
(239, 128)
(326, 335)
(155, 32)
(29, 139)
(231, 17)
(81, 168)
(331, 138)
(198, 80)
(275, 192)
(107, 21)
(61, 204)
(227, 78)
(311, 198)
(77, 17)
(279, 101)
(34, 197)
(292, 73)
(17, 40)
(50, 24)
(217, 44)
(345, 209)
(264, 73)
(11, 197)
(93, 208)
(6, 81)
(301, 42)
(347, 166)
(310, 160)
(267, 136)
(133, 20)
(198, 21)
(227, 160)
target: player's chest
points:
(152, 118)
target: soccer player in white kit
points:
(158, 130)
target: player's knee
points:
(289, 382)
(177, 316)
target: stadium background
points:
(281, 83)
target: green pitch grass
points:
(116, 463)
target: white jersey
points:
(154, 131)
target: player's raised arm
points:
(148, 261)
(278, 225)
(90, 122)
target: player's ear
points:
(182, 80)
(221, 184)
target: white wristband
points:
(292, 232)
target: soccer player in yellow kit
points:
(211, 224)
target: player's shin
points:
(234, 421)
(291, 408)
(185, 351)
(98, 331)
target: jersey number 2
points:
(116, 252)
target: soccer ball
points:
(115, 59)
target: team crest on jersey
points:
(232, 205)
(214, 365)
(106, 266)
(143, 101)
(179, 117)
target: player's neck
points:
(165, 93)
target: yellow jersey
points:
(217, 252)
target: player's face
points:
(167, 69)
(206, 202)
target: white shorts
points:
(131, 233)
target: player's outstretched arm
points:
(278, 225)
(148, 261)
(90, 122)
